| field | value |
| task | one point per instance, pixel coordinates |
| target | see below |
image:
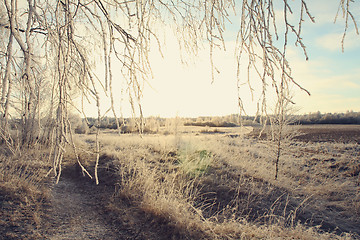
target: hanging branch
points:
(255, 41)
(344, 5)
(109, 60)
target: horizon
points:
(222, 116)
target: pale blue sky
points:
(331, 76)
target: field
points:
(330, 133)
(200, 183)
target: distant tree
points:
(329, 118)
(60, 42)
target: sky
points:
(330, 75)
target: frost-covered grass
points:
(215, 186)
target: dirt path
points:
(77, 211)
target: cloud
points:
(323, 11)
(332, 41)
(327, 103)
(332, 88)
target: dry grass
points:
(235, 196)
(203, 186)
(323, 173)
(22, 194)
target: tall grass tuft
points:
(194, 162)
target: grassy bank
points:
(218, 187)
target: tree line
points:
(152, 124)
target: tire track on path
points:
(77, 211)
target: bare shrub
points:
(83, 128)
(282, 133)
